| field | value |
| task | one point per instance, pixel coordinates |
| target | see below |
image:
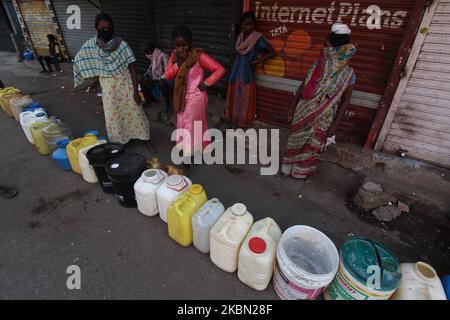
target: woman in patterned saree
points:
(251, 48)
(320, 104)
(111, 59)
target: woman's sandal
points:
(7, 193)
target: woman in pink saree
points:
(188, 64)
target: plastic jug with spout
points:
(18, 104)
(74, 148)
(180, 213)
(257, 254)
(38, 137)
(28, 118)
(87, 171)
(419, 282)
(60, 155)
(170, 190)
(6, 95)
(227, 236)
(202, 222)
(146, 189)
(56, 131)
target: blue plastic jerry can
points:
(60, 155)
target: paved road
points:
(57, 220)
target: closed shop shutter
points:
(133, 22)
(421, 125)
(39, 21)
(297, 30)
(6, 43)
(211, 22)
(75, 38)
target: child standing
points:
(188, 64)
(154, 82)
(54, 55)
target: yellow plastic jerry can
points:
(38, 137)
(6, 95)
(75, 146)
(180, 213)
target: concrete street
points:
(58, 220)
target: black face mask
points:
(105, 35)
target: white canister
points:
(257, 254)
(227, 236)
(169, 191)
(202, 222)
(419, 282)
(146, 189)
(87, 170)
(27, 118)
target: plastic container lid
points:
(128, 166)
(358, 254)
(257, 245)
(177, 183)
(239, 209)
(32, 106)
(101, 154)
(93, 132)
(152, 176)
(196, 189)
(63, 143)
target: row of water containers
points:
(304, 262)
(231, 238)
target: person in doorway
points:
(320, 104)
(251, 48)
(187, 65)
(154, 82)
(55, 55)
(111, 59)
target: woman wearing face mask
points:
(320, 104)
(251, 48)
(187, 65)
(111, 59)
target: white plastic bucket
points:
(307, 261)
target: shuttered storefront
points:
(75, 38)
(6, 43)
(211, 22)
(38, 20)
(421, 125)
(133, 20)
(297, 30)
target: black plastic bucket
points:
(124, 171)
(98, 157)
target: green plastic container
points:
(367, 271)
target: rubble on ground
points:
(384, 206)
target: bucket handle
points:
(379, 261)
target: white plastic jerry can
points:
(146, 189)
(202, 222)
(227, 236)
(419, 282)
(87, 171)
(257, 254)
(169, 191)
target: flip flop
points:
(7, 193)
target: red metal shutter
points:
(297, 30)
